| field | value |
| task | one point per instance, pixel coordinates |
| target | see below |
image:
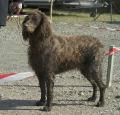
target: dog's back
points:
(74, 51)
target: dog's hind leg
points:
(96, 72)
(85, 71)
(94, 95)
(102, 88)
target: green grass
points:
(71, 17)
(82, 17)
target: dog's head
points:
(37, 24)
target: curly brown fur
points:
(50, 54)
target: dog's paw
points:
(92, 99)
(40, 103)
(100, 104)
(47, 108)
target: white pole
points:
(110, 68)
(51, 10)
(111, 11)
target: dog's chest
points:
(35, 58)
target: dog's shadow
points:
(13, 104)
(28, 104)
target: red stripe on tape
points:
(6, 75)
(118, 29)
(112, 51)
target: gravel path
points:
(71, 88)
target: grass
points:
(71, 17)
(83, 17)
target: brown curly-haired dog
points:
(50, 54)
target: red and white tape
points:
(20, 76)
(96, 27)
(16, 16)
(112, 51)
(14, 76)
(101, 28)
(80, 25)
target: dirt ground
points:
(71, 88)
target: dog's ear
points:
(25, 33)
(44, 27)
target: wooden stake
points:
(110, 68)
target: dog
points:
(50, 54)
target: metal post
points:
(51, 10)
(110, 68)
(79, 2)
(111, 10)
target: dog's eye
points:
(35, 18)
(26, 18)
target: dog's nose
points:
(26, 24)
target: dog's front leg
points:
(43, 90)
(50, 84)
